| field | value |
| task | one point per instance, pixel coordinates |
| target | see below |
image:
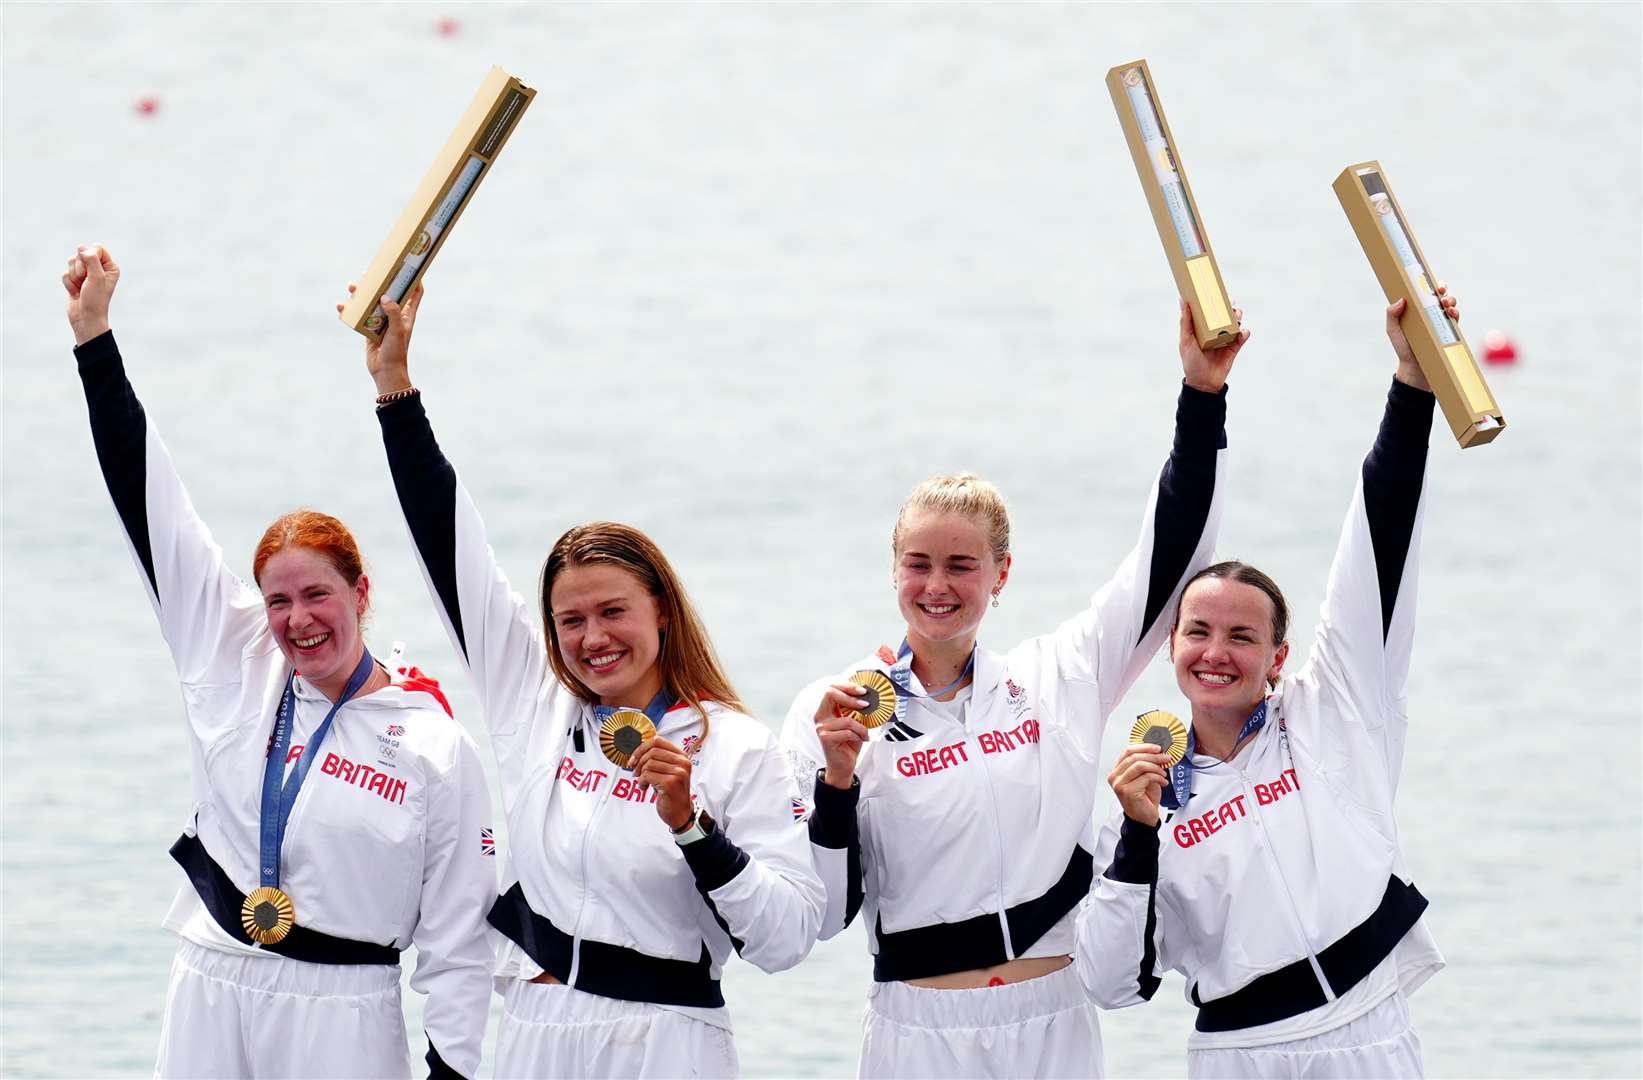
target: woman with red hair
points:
(304, 883)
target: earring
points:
(995, 599)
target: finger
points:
(389, 306)
(93, 263)
(1186, 322)
(71, 285)
(352, 288)
(1443, 287)
(413, 304)
(1237, 314)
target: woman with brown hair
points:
(1261, 859)
(305, 883)
(617, 924)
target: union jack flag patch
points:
(487, 842)
(801, 812)
(396, 729)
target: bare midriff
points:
(1012, 971)
(547, 979)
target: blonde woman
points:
(634, 876)
(961, 831)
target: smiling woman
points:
(286, 923)
(645, 852)
(1265, 864)
(971, 955)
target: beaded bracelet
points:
(396, 395)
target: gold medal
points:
(1164, 731)
(621, 734)
(268, 915)
(879, 706)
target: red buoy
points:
(447, 26)
(1498, 348)
(147, 106)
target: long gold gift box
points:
(1175, 212)
(1404, 274)
(439, 200)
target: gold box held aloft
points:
(1404, 274)
(1174, 211)
(439, 200)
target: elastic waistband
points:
(609, 970)
(272, 974)
(224, 901)
(1293, 989)
(986, 1007)
(978, 942)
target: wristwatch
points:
(699, 827)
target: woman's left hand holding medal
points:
(661, 765)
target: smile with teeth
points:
(311, 642)
(938, 609)
(1212, 678)
(603, 661)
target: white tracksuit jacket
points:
(1280, 887)
(383, 845)
(629, 913)
(970, 844)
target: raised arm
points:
(490, 624)
(207, 615)
(458, 886)
(1112, 640)
(1366, 630)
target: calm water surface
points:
(744, 275)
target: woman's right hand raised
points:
(90, 280)
(1138, 780)
(839, 727)
(1207, 371)
(388, 360)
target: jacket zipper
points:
(998, 834)
(1294, 911)
(587, 836)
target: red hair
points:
(320, 533)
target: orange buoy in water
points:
(1498, 348)
(447, 26)
(147, 106)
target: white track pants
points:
(1381, 1043)
(1041, 1027)
(228, 1015)
(548, 1030)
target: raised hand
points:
(1409, 369)
(388, 360)
(1208, 371)
(90, 280)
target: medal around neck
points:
(1164, 730)
(879, 706)
(268, 915)
(621, 734)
